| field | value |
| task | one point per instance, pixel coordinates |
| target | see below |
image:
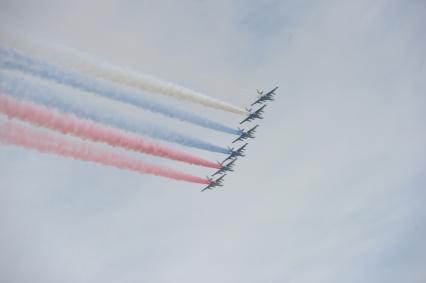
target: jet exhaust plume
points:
(14, 60)
(71, 58)
(92, 111)
(13, 133)
(68, 124)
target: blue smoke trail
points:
(17, 61)
(63, 102)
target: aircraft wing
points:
(247, 119)
(219, 180)
(238, 139)
(260, 110)
(257, 101)
(252, 130)
(270, 93)
(241, 149)
(209, 187)
(218, 172)
(231, 164)
(229, 157)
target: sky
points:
(331, 190)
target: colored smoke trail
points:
(93, 111)
(133, 78)
(71, 58)
(17, 61)
(67, 124)
(13, 133)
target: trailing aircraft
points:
(237, 152)
(254, 115)
(225, 168)
(245, 135)
(214, 183)
(265, 97)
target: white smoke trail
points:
(87, 64)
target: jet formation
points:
(234, 154)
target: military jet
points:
(254, 115)
(245, 135)
(265, 97)
(214, 183)
(235, 153)
(227, 167)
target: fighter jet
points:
(214, 183)
(265, 97)
(235, 153)
(227, 167)
(245, 135)
(254, 115)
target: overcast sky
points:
(332, 190)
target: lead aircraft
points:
(265, 97)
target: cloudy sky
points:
(332, 190)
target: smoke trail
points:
(91, 111)
(68, 124)
(17, 61)
(13, 133)
(85, 63)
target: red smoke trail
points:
(13, 133)
(68, 124)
